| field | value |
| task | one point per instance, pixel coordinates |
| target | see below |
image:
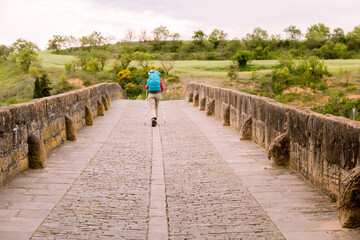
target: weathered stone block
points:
(196, 99)
(279, 151)
(349, 202)
(105, 102)
(100, 108)
(89, 119)
(108, 98)
(37, 153)
(202, 104)
(71, 132)
(225, 114)
(234, 118)
(246, 129)
(210, 108)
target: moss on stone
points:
(89, 118)
(105, 102)
(100, 108)
(108, 98)
(70, 129)
(37, 152)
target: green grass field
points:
(49, 60)
(204, 68)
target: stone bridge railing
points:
(29, 130)
(325, 149)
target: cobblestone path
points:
(190, 178)
(205, 198)
(111, 197)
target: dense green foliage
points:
(319, 41)
(307, 72)
(242, 57)
(345, 107)
(42, 86)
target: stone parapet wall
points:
(324, 148)
(45, 119)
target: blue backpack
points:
(153, 82)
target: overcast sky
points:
(39, 20)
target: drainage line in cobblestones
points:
(166, 202)
(158, 218)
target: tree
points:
(317, 35)
(338, 36)
(4, 52)
(331, 50)
(199, 37)
(129, 35)
(242, 57)
(101, 57)
(175, 43)
(56, 43)
(216, 37)
(143, 58)
(37, 88)
(45, 85)
(84, 41)
(143, 35)
(274, 41)
(24, 52)
(353, 38)
(161, 33)
(70, 42)
(167, 63)
(82, 58)
(293, 32)
(96, 39)
(42, 86)
(26, 57)
(21, 44)
(257, 39)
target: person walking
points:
(154, 87)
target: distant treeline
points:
(318, 41)
(94, 51)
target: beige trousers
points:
(154, 99)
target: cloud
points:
(39, 20)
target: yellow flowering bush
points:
(124, 77)
(132, 91)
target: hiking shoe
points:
(153, 122)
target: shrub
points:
(233, 71)
(132, 90)
(243, 57)
(42, 86)
(69, 67)
(124, 77)
(174, 79)
(339, 107)
(34, 71)
(280, 80)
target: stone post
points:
(37, 152)
(71, 133)
(100, 108)
(89, 118)
(105, 102)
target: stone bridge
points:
(83, 165)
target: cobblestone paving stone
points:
(205, 199)
(111, 197)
